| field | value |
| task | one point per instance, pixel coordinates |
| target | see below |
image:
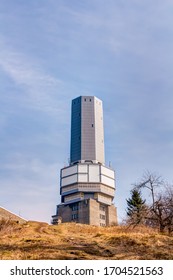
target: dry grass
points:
(36, 240)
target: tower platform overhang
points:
(87, 173)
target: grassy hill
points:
(7, 215)
(36, 240)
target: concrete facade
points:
(87, 186)
(87, 136)
(88, 211)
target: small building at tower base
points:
(88, 211)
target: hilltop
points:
(37, 240)
(8, 215)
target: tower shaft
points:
(87, 133)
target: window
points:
(92, 125)
(75, 207)
(90, 100)
(102, 217)
(74, 216)
(102, 208)
(85, 99)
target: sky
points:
(52, 51)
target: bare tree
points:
(160, 212)
(168, 208)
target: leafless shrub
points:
(159, 211)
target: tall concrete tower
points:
(87, 137)
(87, 186)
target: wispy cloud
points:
(120, 51)
(39, 89)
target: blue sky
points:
(52, 51)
